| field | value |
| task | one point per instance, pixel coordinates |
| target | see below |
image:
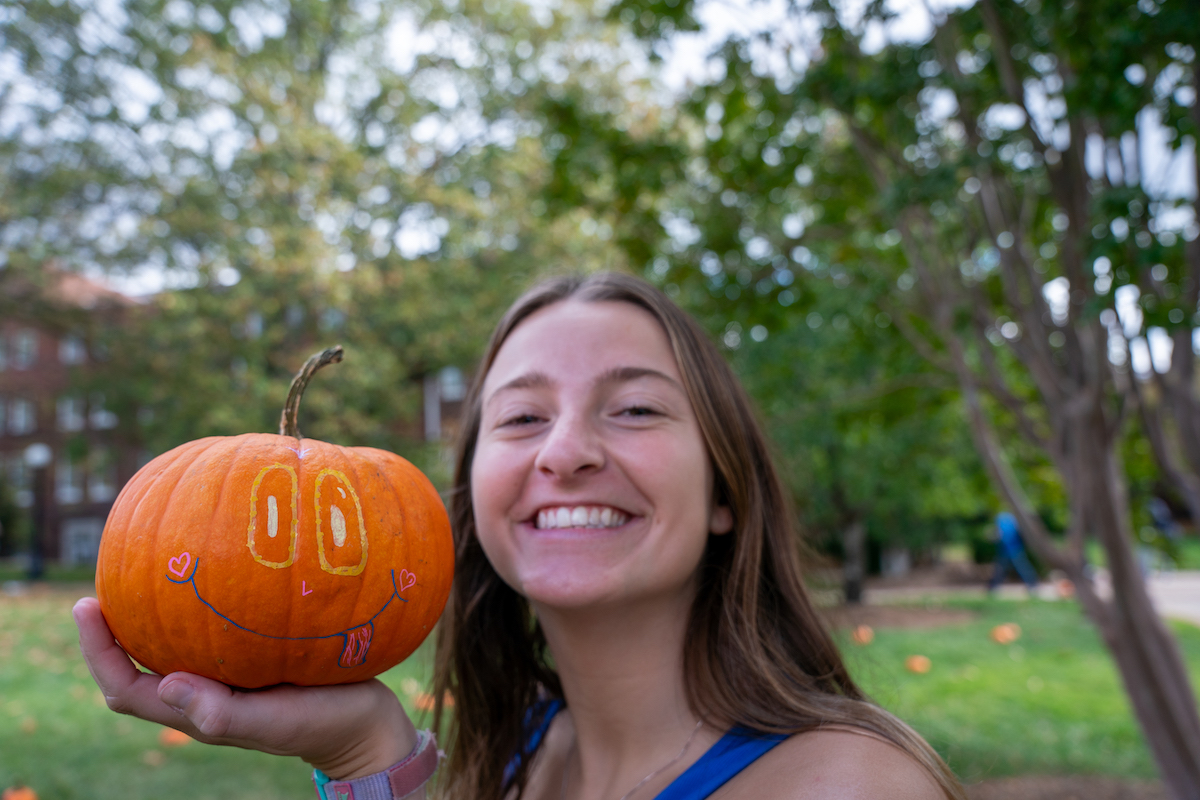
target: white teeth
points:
(580, 517)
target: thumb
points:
(205, 703)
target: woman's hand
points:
(345, 731)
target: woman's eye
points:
(520, 419)
(638, 411)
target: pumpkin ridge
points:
(150, 482)
(217, 445)
(184, 462)
(239, 443)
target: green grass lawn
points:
(58, 736)
(1050, 703)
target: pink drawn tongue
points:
(358, 641)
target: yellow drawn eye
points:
(341, 533)
(274, 499)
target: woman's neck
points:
(622, 674)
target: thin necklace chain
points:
(567, 768)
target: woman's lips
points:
(558, 517)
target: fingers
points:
(319, 724)
(126, 689)
(347, 730)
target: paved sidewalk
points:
(1176, 595)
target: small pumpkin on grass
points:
(862, 635)
(19, 793)
(262, 559)
(918, 664)
(169, 737)
(1005, 633)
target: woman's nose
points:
(572, 448)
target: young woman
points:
(628, 618)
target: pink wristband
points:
(394, 783)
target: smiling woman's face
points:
(591, 483)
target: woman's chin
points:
(568, 589)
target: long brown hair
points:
(757, 655)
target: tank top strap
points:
(537, 721)
(733, 752)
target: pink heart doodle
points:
(178, 565)
(407, 579)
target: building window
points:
(451, 385)
(22, 417)
(81, 540)
(68, 481)
(433, 408)
(24, 348)
(71, 350)
(101, 418)
(71, 414)
(102, 475)
(16, 472)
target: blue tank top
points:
(733, 752)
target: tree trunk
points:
(1184, 480)
(854, 559)
(1147, 656)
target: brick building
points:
(42, 357)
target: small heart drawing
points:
(407, 580)
(178, 566)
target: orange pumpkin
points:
(262, 559)
(169, 737)
(918, 664)
(863, 634)
(19, 793)
(1006, 633)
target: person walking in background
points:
(1162, 519)
(1158, 548)
(1010, 553)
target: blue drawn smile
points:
(356, 639)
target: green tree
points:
(294, 174)
(870, 436)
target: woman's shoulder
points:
(834, 763)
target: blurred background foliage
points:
(389, 174)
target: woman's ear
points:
(720, 520)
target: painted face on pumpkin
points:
(591, 483)
(299, 547)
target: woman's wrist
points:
(402, 779)
(374, 747)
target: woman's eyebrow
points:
(623, 374)
(530, 380)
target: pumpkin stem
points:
(289, 424)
